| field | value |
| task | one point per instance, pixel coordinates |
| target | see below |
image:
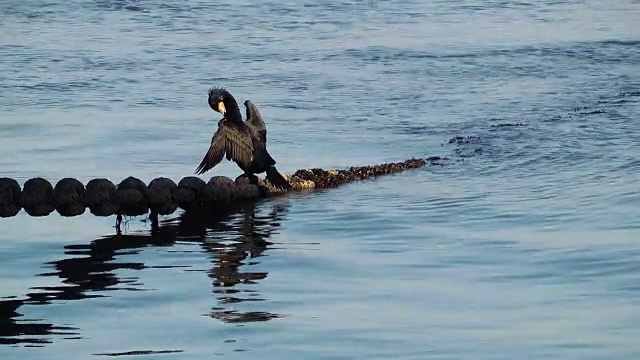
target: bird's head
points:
(222, 101)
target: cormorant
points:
(242, 142)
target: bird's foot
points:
(118, 223)
(153, 216)
(253, 179)
(249, 179)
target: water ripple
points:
(522, 241)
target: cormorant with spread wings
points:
(242, 142)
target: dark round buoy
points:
(9, 210)
(193, 191)
(161, 196)
(70, 210)
(246, 187)
(99, 191)
(133, 183)
(220, 194)
(247, 192)
(68, 191)
(69, 197)
(37, 197)
(162, 183)
(132, 196)
(104, 209)
(9, 191)
(221, 181)
(191, 182)
(131, 201)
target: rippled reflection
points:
(234, 239)
(229, 256)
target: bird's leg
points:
(252, 178)
(154, 221)
(118, 222)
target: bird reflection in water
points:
(229, 281)
(234, 238)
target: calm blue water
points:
(526, 244)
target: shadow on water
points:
(233, 238)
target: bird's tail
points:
(276, 179)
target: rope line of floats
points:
(162, 196)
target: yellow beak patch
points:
(221, 108)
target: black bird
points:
(242, 142)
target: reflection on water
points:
(233, 238)
(228, 256)
(13, 330)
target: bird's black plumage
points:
(254, 118)
(242, 142)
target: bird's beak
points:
(221, 109)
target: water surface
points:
(524, 244)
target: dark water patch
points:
(31, 332)
(205, 51)
(506, 125)
(139, 352)
(585, 111)
(8, 49)
(405, 127)
(464, 140)
(490, 6)
(115, 64)
(180, 8)
(630, 166)
(233, 317)
(14, 329)
(618, 101)
(467, 146)
(607, 51)
(68, 86)
(46, 10)
(120, 5)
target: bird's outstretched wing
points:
(254, 119)
(229, 140)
